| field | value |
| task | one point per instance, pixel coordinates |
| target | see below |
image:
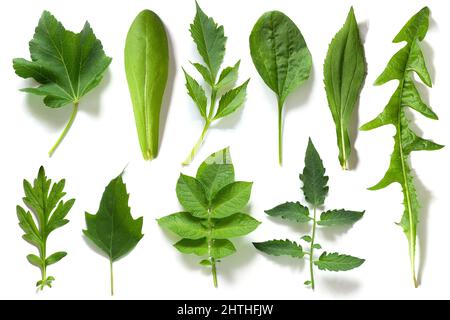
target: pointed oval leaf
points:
(231, 199)
(337, 262)
(292, 211)
(339, 217)
(191, 194)
(280, 248)
(184, 225)
(237, 225)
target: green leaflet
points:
(210, 40)
(401, 67)
(47, 212)
(67, 65)
(113, 230)
(344, 73)
(315, 190)
(281, 57)
(147, 68)
(214, 202)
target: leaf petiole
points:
(280, 132)
(66, 129)
(111, 276)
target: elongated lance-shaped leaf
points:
(47, 212)
(147, 69)
(401, 67)
(344, 72)
(113, 230)
(67, 65)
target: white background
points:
(103, 141)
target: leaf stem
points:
(214, 272)
(280, 132)
(344, 151)
(311, 250)
(197, 146)
(111, 279)
(66, 129)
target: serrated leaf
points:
(210, 40)
(113, 230)
(314, 179)
(191, 194)
(216, 172)
(403, 64)
(231, 199)
(280, 248)
(198, 247)
(204, 72)
(197, 94)
(184, 225)
(67, 65)
(337, 262)
(228, 76)
(236, 225)
(292, 211)
(231, 101)
(339, 217)
(344, 74)
(54, 258)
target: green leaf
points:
(280, 248)
(292, 211)
(231, 101)
(147, 69)
(198, 247)
(339, 217)
(344, 74)
(281, 57)
(337, 262)
(307, 283)
(191, 194)
(205, 263)
(210, 40)
(317, 246)
(54, 258)
(402, 66)
(228, 76)
(113, 230)
(197, 94)
(48, 210)
(184, 225)
(237, 225)
(67, 65)
(204, 72)
(216, 172)
(314, 179)
(231, 199)
(222, 248)
(306, 239)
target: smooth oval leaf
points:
(237, 225)
(292, 211)
(337, 262)
(280, 248)
(191, 194)
(339, 217)
(222, 248)
(184, 225)
(54, 258)
(280, 53)
(198, 247)
(231, 199)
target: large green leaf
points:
(184, 225)
(198, 247)
(314, 179)
(337, 262)
(292, 211)
(280, 248)
(113, 230)
(403, 64)
(237, 225)
(147, 69)
(344, 73)
(231, 199)
(191, 194)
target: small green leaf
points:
(184, 225)
(339, 217)
(35, 261)
(198, 247)
(337, 262)
(231, 199)
(314, 179)
(307, 283)
(317, 246)
(228, 76)
(54, 258)
(292, 211)
(206, 263)
(231, 101)
(197, 94)
(306, 239)
(204, 73)
(222, 248)
(280, 248)
(191, 194)
(236, 225)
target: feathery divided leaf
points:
(113, 230)
(401, 67)
(45, 203)
(344, 74)
(67, 65)
(281, 57)
(214, 203)
(210, 41)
